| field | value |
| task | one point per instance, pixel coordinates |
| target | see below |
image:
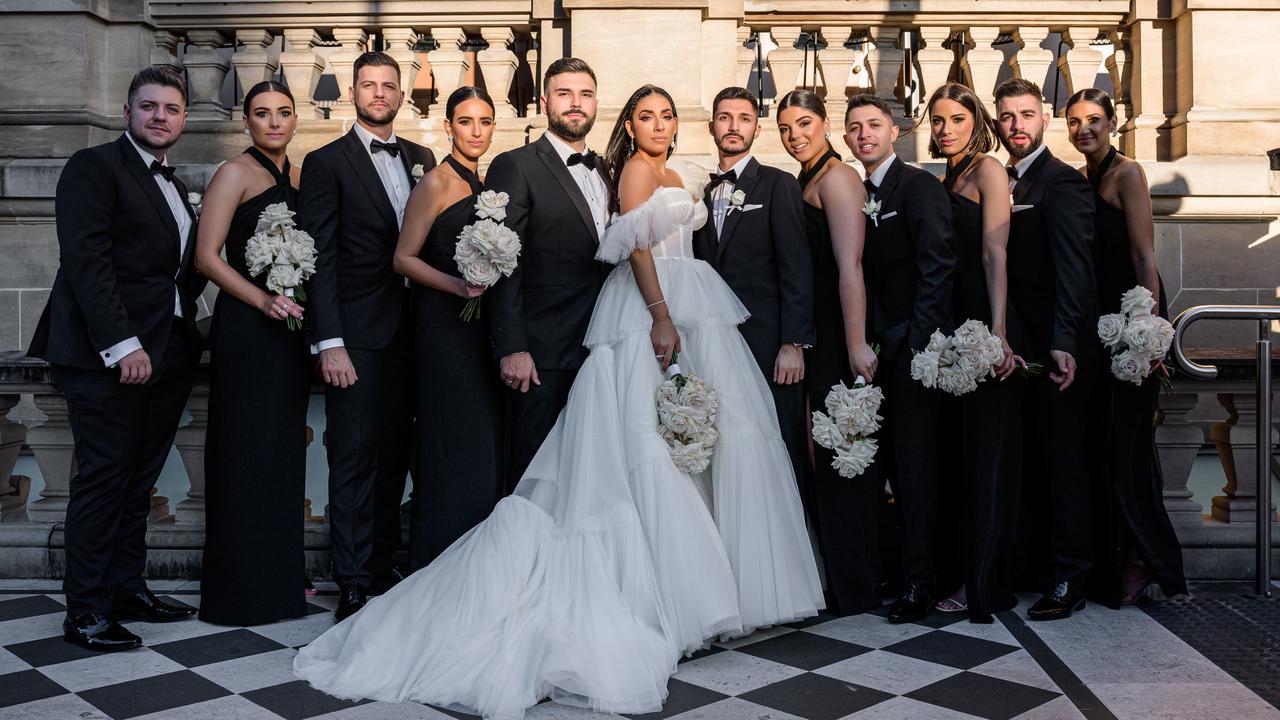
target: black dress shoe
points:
(350, 601)
(1058, 603)
(913, 605)
(97, 632)
(383, 582)
(145, 606)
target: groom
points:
(755, 239)
(559, 206)
(351, 199)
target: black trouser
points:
(908, 454)
(123, 434)
(531, 416)
(368, 430)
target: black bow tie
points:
(165, 170)
(1013, 172)
(730, 176)
(589, 158)
(377, 146)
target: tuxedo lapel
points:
(1028, 179)
(363, 166)
(750, 174)
(890, 184)
(552, 160)
(147, 182)
(408, 164)
(188, 249)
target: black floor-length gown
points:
(255, 449)
(845, 509)
(459, 466)
(1129, 505)
(990, 430)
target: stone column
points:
(835, 63)
(165, 52)
(302, 69)
(190, 443)
(14, 489)
(1235, 440)
(1079, 64)
(1031, 62)
(499, 63)
(353, 42)
(886, 59)
(252, 61)
(1152, 87)
(531, 57)
(54, 448)
(400, 42)
(785, 60)
(1177, 443)
(983, 62)
(1118, 69)
(448, 64)
(206, 70)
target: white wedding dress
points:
(606, 564)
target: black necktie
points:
(1013, 172)
(726, 177)
(377, 146)
(589, 158)
(870, 186)
(165, 170)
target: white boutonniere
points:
(417, 172)
(872, 210)
(195, 200)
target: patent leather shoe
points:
(1058, 604)
(350, 600)
(913, 605)
(145, 606)
(99, 633)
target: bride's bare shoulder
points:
(637, 184)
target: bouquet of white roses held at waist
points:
(287, 254)
(487, 250)
(957, 363)
(687, 410)
(852, 415)
(1136, 337)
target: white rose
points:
(667, 393)
(691, 458)
(992, 353)
(737, 198)
(194, 198)
(481, 272)
(937, 342)
(283, 277)
(956, 381)
(1141, 335)
(492, 205)
(1137, 301)
(1129, 367)
(838, 397)
(505, 247)
(826, 433)
(924, 368)
(969, 336)
(853, 460)
(274, 214)
(1164, 336)
(1111, 329)
(708, 436)
(417, 172)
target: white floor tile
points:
(1057, 709)
(1018, 667)
(890, 672)
(901, 708)
(734, 673)
(10, 663)
(995, 632)
(54, 708)
(388, 711)
(1196, 701)
(867, 630)
(294, 633)
(109, 669)
(240, 675)
(734, 709)
(231, 707)
(31, 628)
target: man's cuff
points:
(329, 344)
(116, 353)
(803, 346)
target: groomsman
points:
(755, 239)
(1051, 285)
(351, 199)
(559, 206)
(119, 332)
(908, 261)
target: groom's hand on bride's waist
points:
(518, 371)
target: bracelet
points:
(655, 304)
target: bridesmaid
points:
(989, 418)
(458, 471)
(1137, 545)
(259, 387)
(845, 509)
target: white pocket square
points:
(886, 216)
(1019, 208)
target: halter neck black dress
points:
(1129, 507)
(458, 476)
(255, 448)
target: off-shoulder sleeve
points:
(645, 225)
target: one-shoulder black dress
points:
(255, 449)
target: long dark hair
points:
(983, 138)
(265, 86)
(621, 148)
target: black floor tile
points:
(703, 653)
(951, 649)
(49, 651)
(816, 697)
(207, 649)
(821, 617)
(682, 697)
(313, 609)
(803, 650)
(297, 700)
(153, 694)
(27, 686)
(983, 696)
(29, 607)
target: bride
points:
(607, 563)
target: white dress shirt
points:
(720, 196)
(589, 182)
(877, 177)
(178, 207)
(1022, 165)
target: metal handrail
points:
(1263, 315)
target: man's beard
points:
(370, 119)
(746, 145)
(1020, 153)
(562, 128)
(136, 133)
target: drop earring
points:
(246, 131)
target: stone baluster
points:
(499, 63)
(206, 71)
(165, 52)
(746, 57)
(190, 443)
(1031, 62)
(302, 69)
(1177, 443)
(352, 42)
(1079, 64)
(886, 59)
(449, 65)
(54, 448)
(252, 61)
(785, 61)
(835, 63)
(1118, 68)
(983, 62)
(14, 489)
(1236, 442)
(400, 42)
(935, 58)
(531, 57)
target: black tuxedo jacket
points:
(120, 261)
(763, 256)
(546, 304)
(908, 260)
(1051, 281)
(355, 294)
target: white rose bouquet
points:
(487, 250)
(1136, 338)
(852, 415)
(957, 363)
(287, 254)
(687, 410)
